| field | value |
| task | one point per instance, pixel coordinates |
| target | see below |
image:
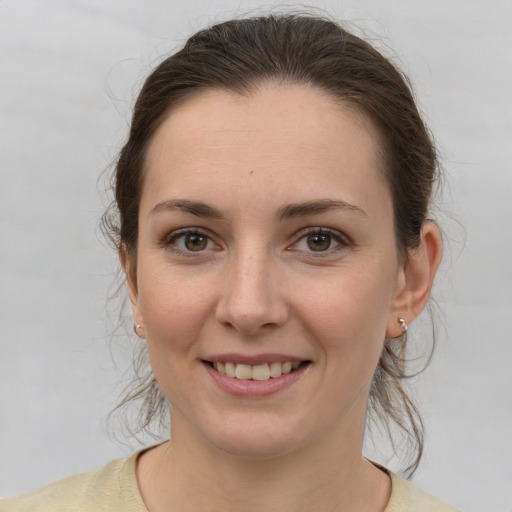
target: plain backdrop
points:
(69, 72)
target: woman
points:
(273, 226)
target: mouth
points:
(258, 372)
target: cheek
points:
(347, 313)
(175, 307)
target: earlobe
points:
(130, 271)
(416, 279)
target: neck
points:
(188, 475)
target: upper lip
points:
(253, 359)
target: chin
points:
(257, 442)
(255, 451)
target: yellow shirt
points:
(114, 489)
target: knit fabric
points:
(114, 489)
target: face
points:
(265, 238)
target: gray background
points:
(69, 71)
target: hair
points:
(240, 55)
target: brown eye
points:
(319, 242)
(188, 241)
(195, 242)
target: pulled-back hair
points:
(240, 55)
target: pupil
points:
(195, 242)
(319, 242)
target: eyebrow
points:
(197, 208)
(295, 210)
(287, 211)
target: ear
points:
(415, 279)
(128, 262)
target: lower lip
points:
(255, 388)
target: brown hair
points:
(239, 55)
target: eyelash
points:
(342, 240)
(170, 241)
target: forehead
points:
(291, 138)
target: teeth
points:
(287, 367)
(257, 372)
(260, 372)
(230, 369)
(275, 370)
(243, 371)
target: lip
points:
(255, 388)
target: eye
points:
(320, 240)
(191, 241)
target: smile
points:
(260, 372)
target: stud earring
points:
(403, 325)
(136, 327)
(403, 328)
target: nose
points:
(252, 299)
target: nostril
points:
(250, 307)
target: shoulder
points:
(407, 497)
(112, 488)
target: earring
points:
(403, 325)
(136, 327)
(403, 328)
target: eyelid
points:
(168, 241)
(342, 239)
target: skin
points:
(257, 286)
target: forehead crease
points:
(195, 148)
